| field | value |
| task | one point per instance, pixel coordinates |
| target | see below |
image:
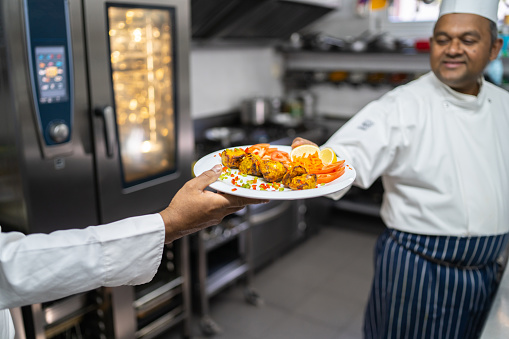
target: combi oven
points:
(95, 126)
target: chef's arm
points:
(42, 267)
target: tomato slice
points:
(270, 150)
(328, 177)
(258, 147)
(280, 156)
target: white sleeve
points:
(369, 140)
(42, 267)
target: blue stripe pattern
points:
(431, 286)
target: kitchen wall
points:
(351, 20)
(222, 76)
(345, 100)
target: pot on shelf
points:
(257, 111)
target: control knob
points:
(58, 132)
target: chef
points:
(42, 267)
(440, 145)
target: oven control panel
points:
(49, 51)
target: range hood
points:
(254, 19)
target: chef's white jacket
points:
(443, 157)
(42, 267)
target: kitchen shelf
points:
(368, 62)
(170, 319)
(228, 234)
(225, 275)
(375, 62)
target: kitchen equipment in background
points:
(323, 42)
(96, 127)
(422, 45)
(397, 79)
(308, 100)
(226, 135)
(299, 104)
(256, 111)
(338, 77)
(356, 78)
(222, 255)
(376, 78)
(316, 41)
(254, 19)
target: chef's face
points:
(461, 47)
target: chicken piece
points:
(272, 171)
(303, 182)
(292, 173)
(250, 164)
(232, 157)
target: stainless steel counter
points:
(497, 324)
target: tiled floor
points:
(317, 290)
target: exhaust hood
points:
(254, 19)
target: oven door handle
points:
(108, 116)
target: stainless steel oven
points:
(96, 127)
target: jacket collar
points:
(461, 100)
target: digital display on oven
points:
(51, 74)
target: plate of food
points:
(277, 172)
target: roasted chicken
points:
(232, 157)
(250, 164)
(292, 173)
(272, 171)
(303, 182)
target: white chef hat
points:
(485, 8)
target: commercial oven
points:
(95, 126)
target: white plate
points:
(208, 161)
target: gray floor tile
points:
(349, 286)
(282, 293)
(353, 330)
(238, 315)
(292, 327)
(329, 309)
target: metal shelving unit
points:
(230, 245)
(377, 62)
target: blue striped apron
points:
(432, 286)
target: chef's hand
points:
(301, 141)
(193, 208)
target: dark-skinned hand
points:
(301, 141)
(193, 208)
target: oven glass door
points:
(143, 83)
(137, 55)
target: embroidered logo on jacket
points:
(365, 125)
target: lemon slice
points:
(328, 156)
(303, 150)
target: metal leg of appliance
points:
(19, 326)
(251, 296)
(33, 319)
(124, 317)
(207, 325)
(186, 274)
